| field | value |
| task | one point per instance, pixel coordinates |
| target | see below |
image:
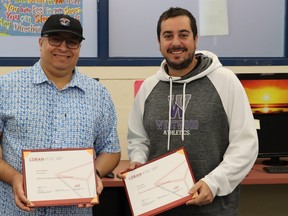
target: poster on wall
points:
(21, 22)
(26, 17)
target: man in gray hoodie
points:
(193, 101)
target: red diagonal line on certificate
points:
(61, 176)
(161, 184)
(75, 191)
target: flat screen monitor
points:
(268, 97)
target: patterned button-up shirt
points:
(34, 114)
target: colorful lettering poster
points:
(26, 17)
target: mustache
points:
(175, 49)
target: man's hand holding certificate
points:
(159, 185)
(59, 177)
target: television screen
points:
(268, 97)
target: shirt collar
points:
(39, 77)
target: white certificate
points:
(59, 176)
(160, 184)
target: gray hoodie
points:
(209, 114)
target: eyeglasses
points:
(56, 41)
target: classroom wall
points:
(120, 80)
(256, 200)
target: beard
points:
(181, 65)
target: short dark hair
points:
(175, 12)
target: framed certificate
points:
(160, 184)
(59, 176)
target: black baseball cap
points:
(62, 23)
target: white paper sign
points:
(213, 18)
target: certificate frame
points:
(56, 177)
(160, 184)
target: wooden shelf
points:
(256, 176)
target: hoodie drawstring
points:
(169, 119)
(183, 113)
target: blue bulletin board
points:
(21, 22)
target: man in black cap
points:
(51, 105)
(58, 58)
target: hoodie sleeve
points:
(242, 151)
(138, 140)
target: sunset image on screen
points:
(267, 96)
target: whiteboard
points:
(256, 28)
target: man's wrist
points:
(98, 173)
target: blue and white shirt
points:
(34, 114)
